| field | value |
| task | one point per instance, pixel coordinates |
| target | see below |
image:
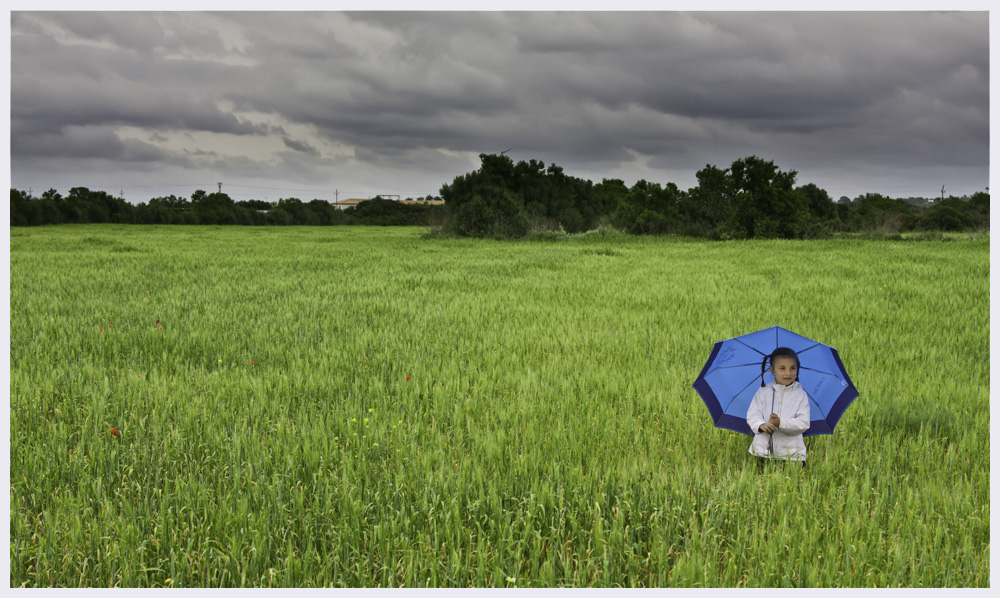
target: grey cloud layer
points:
(908, 90)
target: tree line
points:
(83, 205)
(752, 198)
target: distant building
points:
(353, 203)
(347, 203)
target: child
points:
(779, 412)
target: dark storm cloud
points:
(56, 85)
(85, 143)
(300, 146)
(831, 95)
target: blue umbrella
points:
(732, 375)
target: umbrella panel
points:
(732, 375)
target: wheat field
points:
(374, 407)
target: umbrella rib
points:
(733, 398)
(749, 347)
(739, 365)
(810, 348)
(832, 375)
(813, 401)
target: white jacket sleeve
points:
(756, 415)
(799, 423)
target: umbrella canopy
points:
(731, 376)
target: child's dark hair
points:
(779, 352)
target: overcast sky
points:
(297, 104)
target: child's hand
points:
(768, 428)
(775, 420)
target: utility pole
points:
(220, 187)
(336, 196)
(942, 192)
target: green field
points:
(372, 407)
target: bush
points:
(279, 217)
(499, 215)
(945, 217)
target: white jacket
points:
(791, 403)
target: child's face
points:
(784, 369)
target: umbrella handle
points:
(770, 437)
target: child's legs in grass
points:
(762, 463)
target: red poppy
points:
(157, 320)
(251, 363)
(114, 432)
(407, 378)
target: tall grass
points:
(371, 407)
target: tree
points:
(543, 195)
(213, 208)
(388, 212)
(607, 195)
(53, 195)
(873, 211)
(171, 203)
(822, 211)
(279, 217)
(23, 211)
(818, 200)
(152, 213)
(944, 218)
(321, 212)
(295, 208)
(708, 205)
(483, 203)
(764, 205)
(498, 214)
(752, 198)
(981, 202)
(255, 204)
(84, 205)
(648, 208)
(953, 214)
